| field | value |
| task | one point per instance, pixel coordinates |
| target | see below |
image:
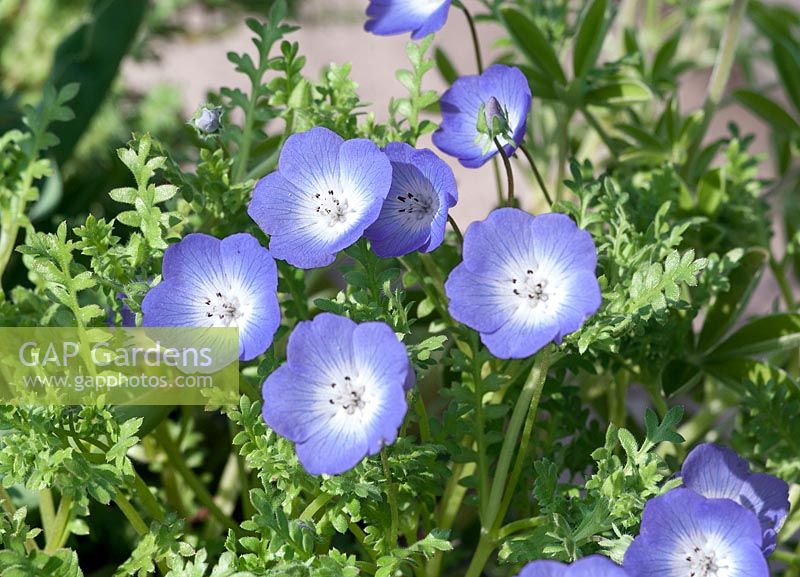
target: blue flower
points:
(340, 396)
(683, 533)
(420, 17)
(326, 192)
(209, 282)
(500, 92)
(719, 473)
(208, 121)
(414, 215)
(525, 281)
(592, 566)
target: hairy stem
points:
(456, 229)
(509, 173)
(525, 410)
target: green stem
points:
(779, 272)
(391, 493)
(422, 417)
(314, 506)
(520, 525)
(47, 511)
(474, 33)
(60, 526)
(719, 79)
(525, 409)
(130, 513)
(201, 493)
(509, 174)
(456, 229)
(480, 442)
(537, 174)
(147, 499)
(481, 556)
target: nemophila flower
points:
(420, 17)
(325, 193)
(208, 282)
(340, 396)
(525, 281)
(414, 214)
(593, 566)
(208, 121)
(500, 96)
(684, 534)
(719, 473)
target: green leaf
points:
(679, 376)
(769, 334)
(711, 191)
(624, 92)
(91, 57)
(787, 61)
(666, 431)
(768, 110)
(590, 38)
(445, 66)
(728, 305)
(533, 43)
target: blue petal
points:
(334, 450)
(544, 569)
(294, 407)
(510, 87)
(460, 106)
(382, 361)
(434, 22)
(768, 498)
(718, 472)
(321, 348)
(192, 270)
(502, 241)
(520, 337)
(252, 274)
(388, 17)
(477, 301)
(414, 172)
(595, 566)
(582, 299)
(715, 472)
(674, 523)
(310, 160)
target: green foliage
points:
(680, 218)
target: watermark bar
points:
(119, 366)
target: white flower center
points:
(347, 395)
(704, 562)
(223, 310)
(418, 206)
(530, 287)
(332, 208)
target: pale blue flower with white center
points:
(323, 196)
(719, 473)
(208, 282)
(525, 281)
(414, 214)
(502, 93)
(684, 534)
(420, 17)
(341, 395)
